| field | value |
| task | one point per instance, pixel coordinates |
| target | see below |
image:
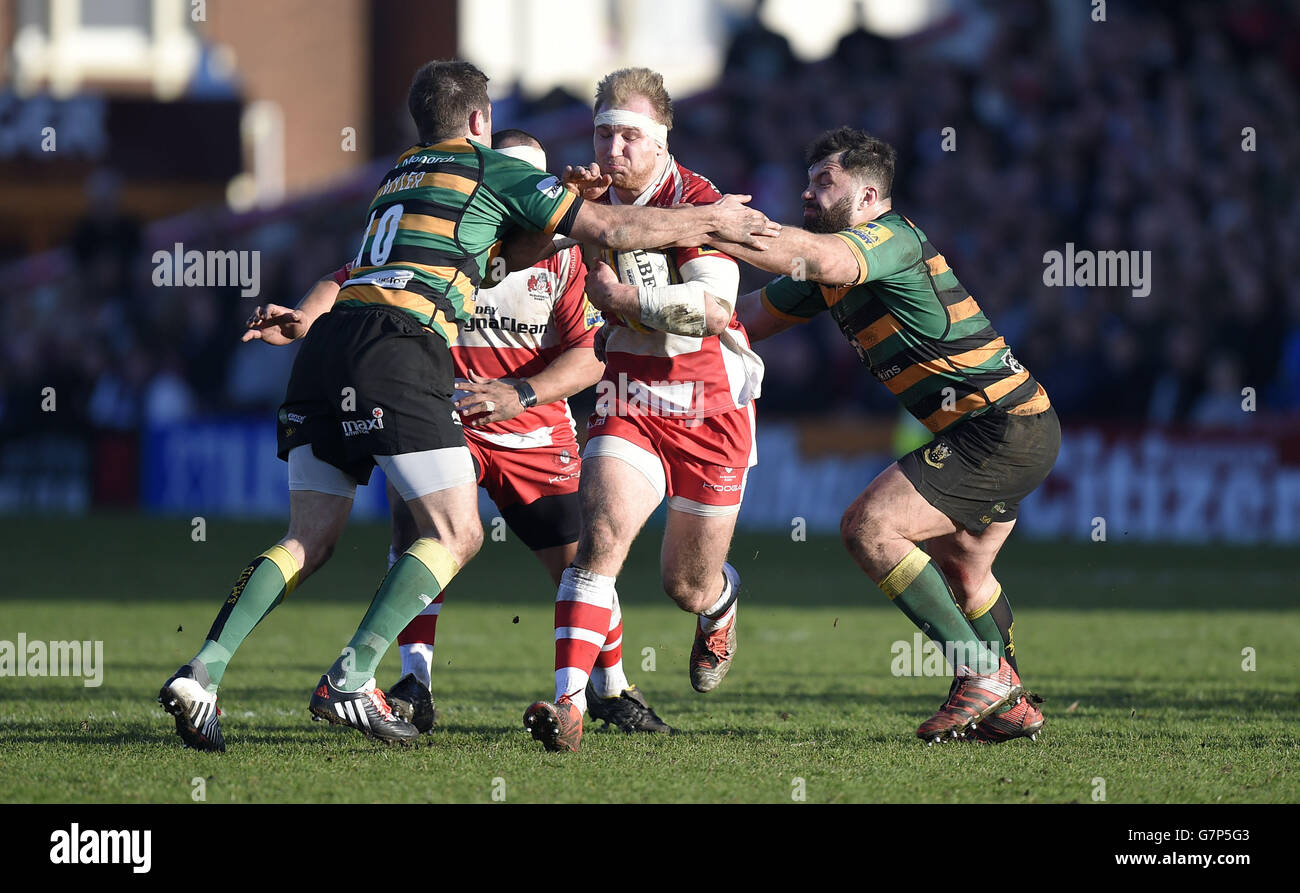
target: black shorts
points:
(546, 522)
(369, 381)
(977, 472)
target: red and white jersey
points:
(682, 374)
(520, 326)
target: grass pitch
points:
(1138, 649)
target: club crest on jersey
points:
(539, 286)
(936, 455)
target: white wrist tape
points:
(624, 118)
(679, 309)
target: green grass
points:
(1139, 650)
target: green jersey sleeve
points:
(533, 200)
(881, 249)
(791, 300)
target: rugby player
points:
(528, 348)
(996, 435)
(674, 417)
(373, 384)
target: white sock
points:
(418, 660)
(721, 611)
(609, 682)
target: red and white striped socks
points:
(608, 678)
(583, 610)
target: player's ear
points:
(480, 124)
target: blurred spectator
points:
(1020, 126)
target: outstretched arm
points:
(801, 255)
(759, 320)
(624, 227)
(278, 325)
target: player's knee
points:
(860, 527)
(687, 592)
(465, 542)
(315, 552)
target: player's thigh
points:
(316, 522)
(617, 497)
(439, 488)
(694, 549)
(892, 508)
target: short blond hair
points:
(617, 87)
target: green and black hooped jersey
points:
(434, 221)
(914, 327)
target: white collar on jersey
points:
(670, 170)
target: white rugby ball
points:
(643, 267)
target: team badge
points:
(539, 286)
(936, 455)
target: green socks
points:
(994, 622)
(263, 585)
(411, 585)
(917, 587)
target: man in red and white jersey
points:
(674, 416)
(527, 349)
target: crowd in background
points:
(1173, 132)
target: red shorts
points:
(513, 476)
(699, 464)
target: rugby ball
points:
(643, 267)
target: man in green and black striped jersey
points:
(996, 436)
(373, 384)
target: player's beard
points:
(838, 216)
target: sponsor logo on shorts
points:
(353, 427)
(936, 455)
(886, 374)
(1012, 363)
(1000, 508)
(722, 488)
(287, 417)
(561, 478)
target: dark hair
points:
(865, 157)
(443, 94)
(513, 136)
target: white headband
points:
(624, 118)
(533, 155)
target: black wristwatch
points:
(527, 396)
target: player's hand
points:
(586, 180)
(487, 400)
(602, 284)
(275, 325)
(734, 221)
